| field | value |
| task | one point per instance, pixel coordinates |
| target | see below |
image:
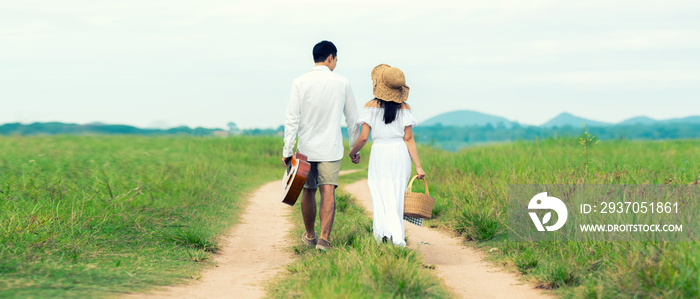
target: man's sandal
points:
(323, 244)
(308, 241)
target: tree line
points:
(446, 137)
(451, 138)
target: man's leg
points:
(308, 211)
(327, 210)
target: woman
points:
(391, 122)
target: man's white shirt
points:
(318, 101)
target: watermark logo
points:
(543, 202)
(601, 212)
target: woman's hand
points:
(420, 172)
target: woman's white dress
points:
(389, 171)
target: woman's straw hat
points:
(389, 84)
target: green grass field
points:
(99, 216)
(472, 191)
(93, 216)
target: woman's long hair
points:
(391, 109)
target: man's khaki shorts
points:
(322, 173)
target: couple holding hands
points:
(318, 100)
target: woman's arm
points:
(361, 141)
(411, 144)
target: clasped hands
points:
(355, 158)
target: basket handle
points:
(410, 185)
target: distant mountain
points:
(466, 118)
(639, 120)
(689, 119)
(566, 119)
(463, 118)
(643, 120)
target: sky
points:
(206, 63)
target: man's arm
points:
(350, 112)
(291, 121)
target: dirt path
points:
(462, 268)
(252, 253)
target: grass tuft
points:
(525, 261)
(198, 255)
(194, 239)
(560, 275)
(477, 223)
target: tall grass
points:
(91, 216)
(472, 191)
(358, 266)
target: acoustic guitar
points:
(295, 177)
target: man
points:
(318, 100)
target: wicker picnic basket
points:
(418, 205)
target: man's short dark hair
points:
(323, 49)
